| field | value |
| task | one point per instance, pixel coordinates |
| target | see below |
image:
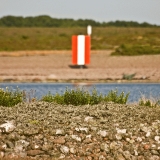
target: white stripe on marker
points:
(81, 50)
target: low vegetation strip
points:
(131, 40)
(75, 97)
(131, 50)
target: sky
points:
(98, 10)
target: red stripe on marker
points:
(87, 49)
(74, 49)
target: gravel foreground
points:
(41, 130)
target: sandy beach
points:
(54, 66)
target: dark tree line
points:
(47, 21)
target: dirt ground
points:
(54, 66)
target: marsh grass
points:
(9, 97)
(149, 102)
(29, 96)
(113, 96)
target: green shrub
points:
(113, 96)
(10, 98)
(76, 97)
(128, 76)
(131, 50)
(53, 98)
(82, 97)
(149, 102)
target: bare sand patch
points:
(44, 66)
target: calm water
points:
(136, 90)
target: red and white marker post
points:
(81, 45)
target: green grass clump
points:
(131, 50)
(10, 98)
(128, 76)
(82, 97)
(75, 97)
(149, 102)
(113, 96)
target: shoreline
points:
(80, 81)
(55, 66)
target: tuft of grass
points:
(29, 96)
(80, 96)
(152, 102)
(128, 76)
(113, 96)
(34, 122)
(9, 97)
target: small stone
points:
(139, 139)
(2, 148)
(88, 119)
(77, 138)
(154, 152)
(60, 132)
(59, 140)
(120, 157)
(127, 139)
(144, 129)
(47, 147)
(135, 153)
(154, 157)
(35, 146)
(62, 156)
(121, 131)
(82, 129)
(127, 155)
(72, 150)
(114, 146)
(87, 141)
(64, 149)
(146, 146)
(34, 152)
(118, 136)
(101, 157)
(102, 133)
(8, 127)
(105, 147)
(39, 136)
(13, 136)
(1, 154)
(132, 141)
(89, 158)
(10, 144)
(148, 134)
(157, 138)
(31, 131)
(89, 136)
